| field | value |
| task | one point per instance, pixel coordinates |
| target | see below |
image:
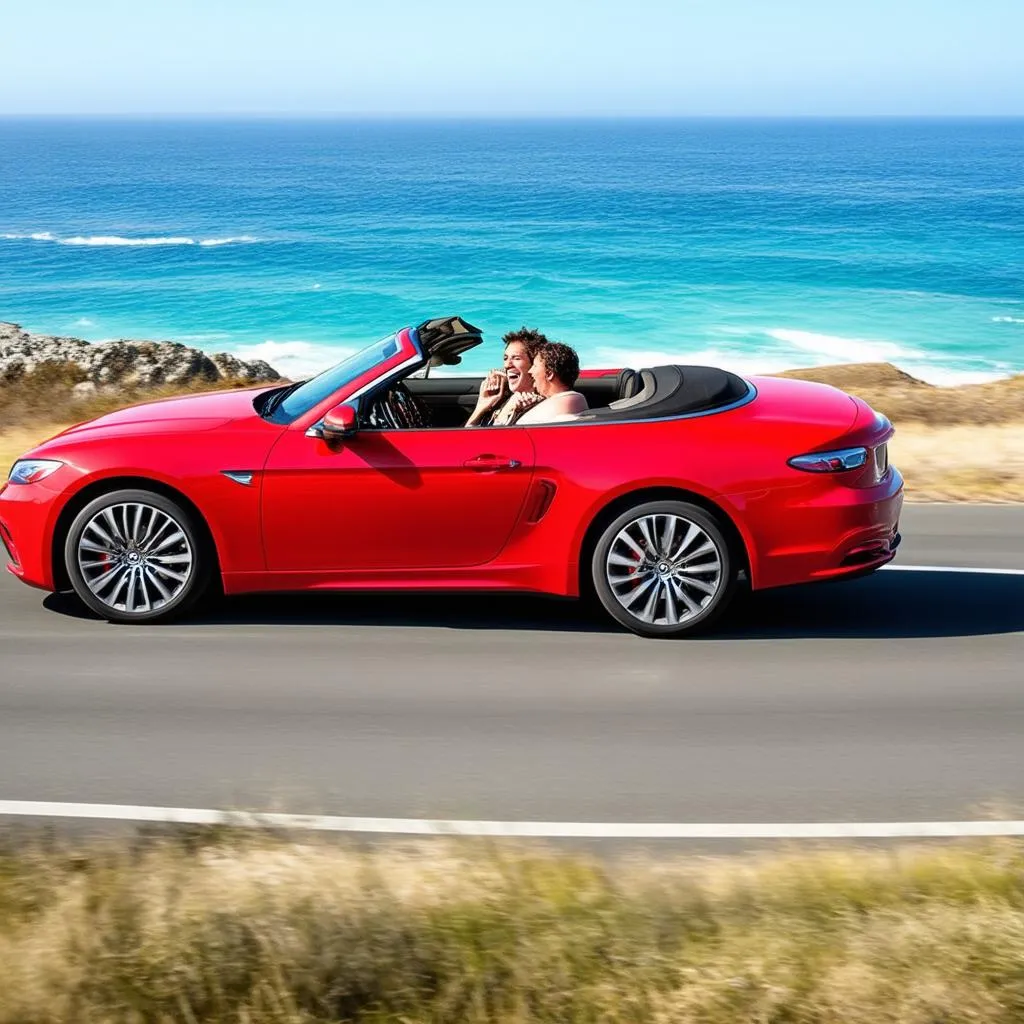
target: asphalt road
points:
(897, 697)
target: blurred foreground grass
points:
(952, 444)
(259, 929)
(44, 402)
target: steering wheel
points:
(402, 410)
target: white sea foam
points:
(228, 241)
(744, 364)
(773, 361)
(294, 359)
(1008, 319)
(205, 337)
(844, 350)
(84, 321)
(121, 240)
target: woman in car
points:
(507, 393)
(555, 370)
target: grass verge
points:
(952, 444)
(259, 929)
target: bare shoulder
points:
(574, 401)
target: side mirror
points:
(339, 423)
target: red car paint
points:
(500, 508)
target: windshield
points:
(297, 400)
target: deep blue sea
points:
(757, 245)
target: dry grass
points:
(47, 395)
(952, 444)
(264, 931)
(15, 441)
(961, 463)
(904, 399)
(42, 403)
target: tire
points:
(136, 556)
(663, 593)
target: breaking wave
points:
(158, 240)
(294, 359)
(844, 350)
(1008, 319)
(121, 240)
(792, 349)
(228, 241)
(118, 240)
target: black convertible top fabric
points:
(679, 390)
(445, 339)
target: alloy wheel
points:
(663, 569)
(134, 557)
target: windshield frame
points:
(346, 378)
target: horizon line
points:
(271, 115)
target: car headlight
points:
(31, 471)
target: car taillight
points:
(839, 461)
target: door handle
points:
(490, 463)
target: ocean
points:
(758, 245)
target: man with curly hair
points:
(554, 371)
(507, 393)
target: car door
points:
(394, 499)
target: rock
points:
(231, 366)
(123, 363)
(84, 391)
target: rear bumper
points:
(834, 533)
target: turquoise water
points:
(757, 245)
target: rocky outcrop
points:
(123, 363)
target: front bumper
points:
(28, 514)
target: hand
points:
(494, 384)
(492, 391)
(516, 406)
(525, 400)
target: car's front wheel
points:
(136, 556)
(663, 569)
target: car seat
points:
(639, 388)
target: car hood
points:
(188, 411)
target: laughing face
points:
(517, 367)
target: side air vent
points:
(240, 476)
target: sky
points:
(513, 59)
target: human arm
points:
(565, 405)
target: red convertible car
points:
(678, 485)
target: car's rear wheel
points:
(663, 569)
(136, 556)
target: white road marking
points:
(517, 829)
(954, 568)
